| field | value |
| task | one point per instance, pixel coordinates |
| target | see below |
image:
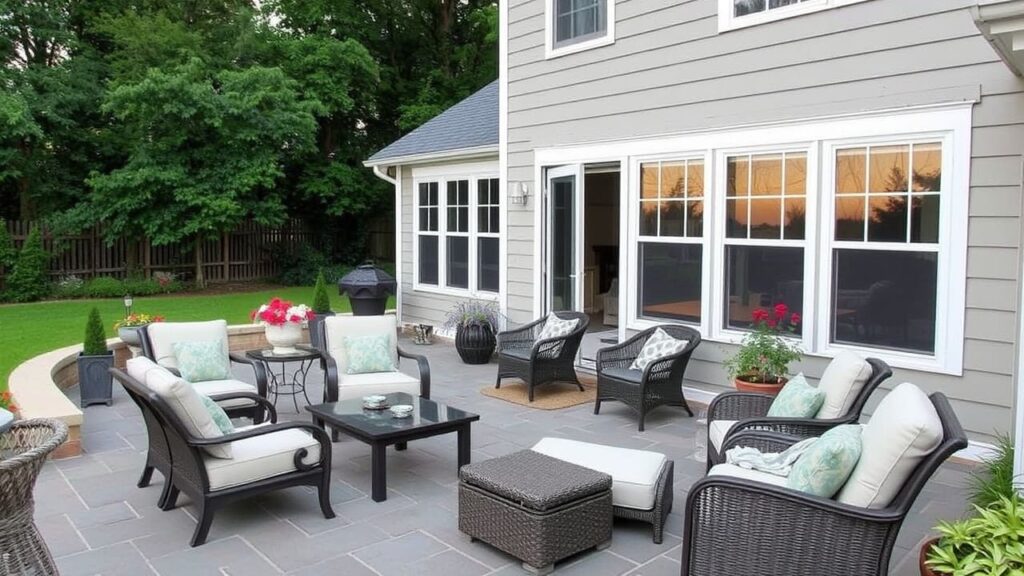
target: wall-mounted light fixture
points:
(519, 194)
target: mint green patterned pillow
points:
(368, 354)
(220, 417)
(827, 464)
(797, 399)
(202, 361)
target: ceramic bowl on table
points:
(375, 402)
(401, 410)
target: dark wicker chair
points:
(188, 472)
(660, 384)
(751, 411)
(747, 528)
(521, 355)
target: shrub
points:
(103, 287)
(321, 300)
(989, 543)
(28, 280)
(300, 266)
(7, 252)
(993, 481)
(151, 286)
(69, 286)
(95, 340)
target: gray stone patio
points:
(96, 521)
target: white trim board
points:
(441, 156)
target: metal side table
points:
(285, 382)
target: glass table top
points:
(268, 354)
(426, 413)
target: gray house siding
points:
(670, 71)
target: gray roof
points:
(470, 124)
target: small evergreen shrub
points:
(29, 278)
(7, 252)
(95, 340)
(321, 300)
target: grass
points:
(27, 330)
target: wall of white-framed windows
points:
(780, 209)
(456, 230)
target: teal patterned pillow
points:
(827, 464)
(368, 354)
(220, 417)
(202, 361)
(797, 399)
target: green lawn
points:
(27, 330)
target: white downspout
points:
(1018, 405)
(397, 183)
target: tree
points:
(95, 343)
(321, 300)
(29, 279)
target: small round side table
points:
(282, 382)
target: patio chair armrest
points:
(739, 406)
(330, 368)
(258, 368)
(737, 526)
(799, 427)
(622, 354)
(762, 440)
(424, 367)
(315, 431)
(256, 398)
(522, 337)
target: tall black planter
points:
(95, 383)
(475, 344)
(315, 339)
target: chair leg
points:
(164, 494)
(497, 382)
(147, 476)
(597, 406)
(203, 528)
(324, 490)
(530, 394)
(171, 500)
(643, 416)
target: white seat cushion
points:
(163, 336)
(842, 381)
(634, 472)
(337, 327)
(359, 385)
(261, 457)
(746, 474)
(717, 429)
(904, 429)
(211, 387)
(186, 404)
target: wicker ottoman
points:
(535, 507)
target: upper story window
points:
(734, 14)
(576, 25)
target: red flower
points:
(759, 315)
(780, 311)
(794, 319)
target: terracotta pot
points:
(744, 385)
(925, 569)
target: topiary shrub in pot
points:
(94, 363)
(321, 309)
(475, 324)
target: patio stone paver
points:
(96, 521)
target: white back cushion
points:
(163, 335)
(842, 381)
(138, 367)
(186, 404)
(337, 327)
(904, 429)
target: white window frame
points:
(726, 20)
(476, 234)
(442, 175)
(552, 50)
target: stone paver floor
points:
(96, 521)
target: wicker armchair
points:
(521, 355)
(660, 384)
(750, 410)
(23, 450)
(191, 467)
(746, 528)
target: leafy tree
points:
(95, 343)
(29, 279)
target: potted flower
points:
(95, 382)
(282, 322)
(128, 327)
(475, 324)
(7, 410)
(762, 362)
(321, 310)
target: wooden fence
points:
(241, 255)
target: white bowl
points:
(374, 400)
(401, 410)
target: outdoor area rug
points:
(548, 397)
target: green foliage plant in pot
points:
(321, 310)
(989, 543)
(475, 324)
(762, 362)
(94, 363)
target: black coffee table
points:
(379, 429)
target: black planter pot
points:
(475, 344)
(95, 383)
(315, 339)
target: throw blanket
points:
(776, 463)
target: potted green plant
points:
(321, 310)
(762, 362)
(95, 382)
(128, 327)
(475, 324)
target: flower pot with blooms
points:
(282, 322)
(762, 362)
(7, 411)
(128, 327)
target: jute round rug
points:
(547, 397)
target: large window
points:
(766, 217)
(458, 235)
(671, 239)
(575, 25)
(741, 13)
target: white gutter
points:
(462, 153)
(1018, 405)
(384, 176)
